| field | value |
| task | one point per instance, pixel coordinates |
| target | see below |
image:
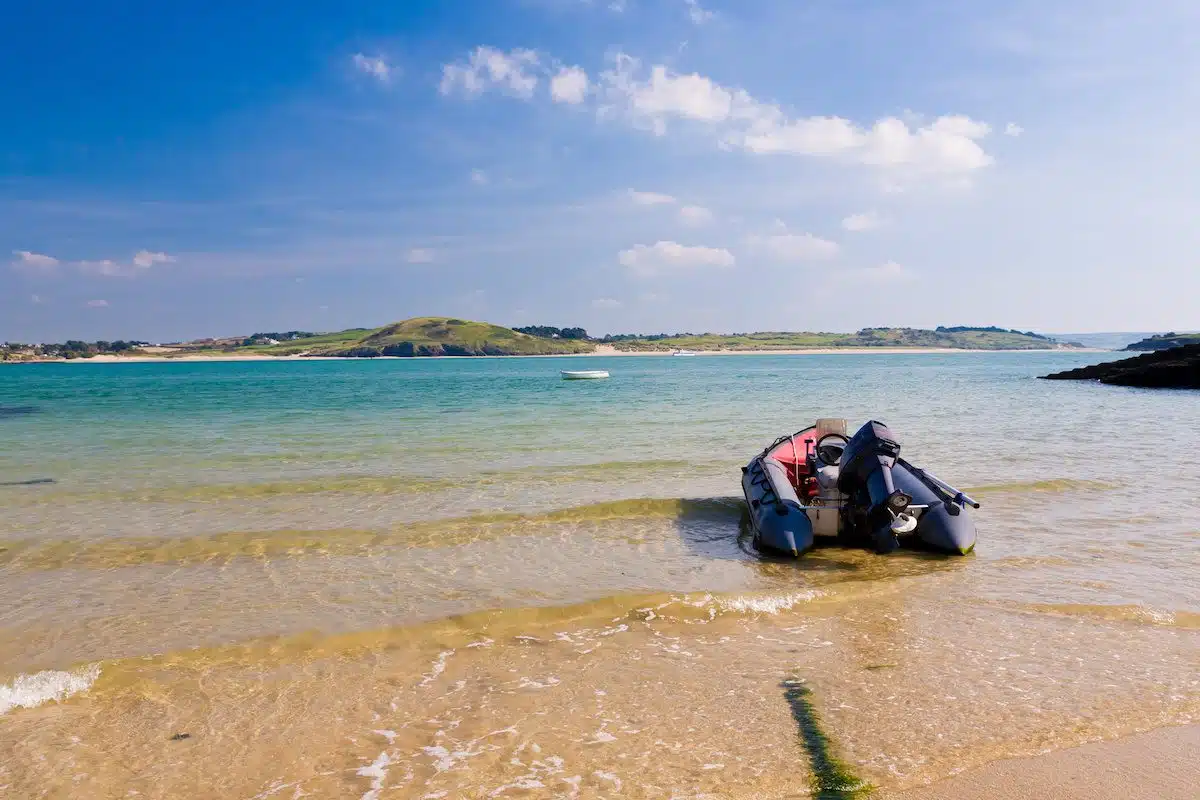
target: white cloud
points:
(794, 247)
(35, 299)
(420, 255)
(862, 222)
(106, 267)
(646, 261)
(606, 302)
(888, 272)
(695, 216)
(141, 261)
(947, 144)
(97, 303)
(650, 198)
(146, 259)
(570, 85)
(696, 14)
(489, 68)
(375, 66)
(1013, 129)
(666, 94)
(31, 260)
(479, 177)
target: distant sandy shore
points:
(601, 350)
(1160, 765)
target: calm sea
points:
(469, 578)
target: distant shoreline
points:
(601, 351)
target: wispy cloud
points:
(650, 198)
(479, 177)
(695, 216)
(793, 247)
(141, 261)
(420, 255)
(696, 14)
(645, 261)
(1013, 129)
(606, 303)
(867, 221)
(146, 259)
(375, 66)
(512, 73)
(97, 304)
(885, 274)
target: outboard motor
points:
(866, 471)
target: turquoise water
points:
(162, 509)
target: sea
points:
(468, 578)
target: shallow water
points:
(467, 577)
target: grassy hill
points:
(957, 338)
(425, 336)
(446, 336)
(1165, 341)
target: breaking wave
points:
(30, 691)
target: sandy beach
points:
(600, 351)
(1159, 765)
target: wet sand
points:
(1160, 765)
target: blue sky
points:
(177, 170)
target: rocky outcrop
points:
(1165, 341)
(1177, 368)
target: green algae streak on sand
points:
(470, 579)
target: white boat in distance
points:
(584, 374)
(683, 353)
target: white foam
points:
(30, 691)
(389, 735)
(439, 666)
(522, 784)
(530, 683)
(608, 776)
(766, 604)
(377, 772)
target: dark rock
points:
(1177, 368)
(1165, 341)
(17, 411)
(179, 737)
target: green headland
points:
(447, 336)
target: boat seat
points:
(828, 425)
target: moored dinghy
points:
(584, 374)
(818, 483)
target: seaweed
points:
(832, 779)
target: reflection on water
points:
(466, 578)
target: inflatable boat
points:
(857, 491)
